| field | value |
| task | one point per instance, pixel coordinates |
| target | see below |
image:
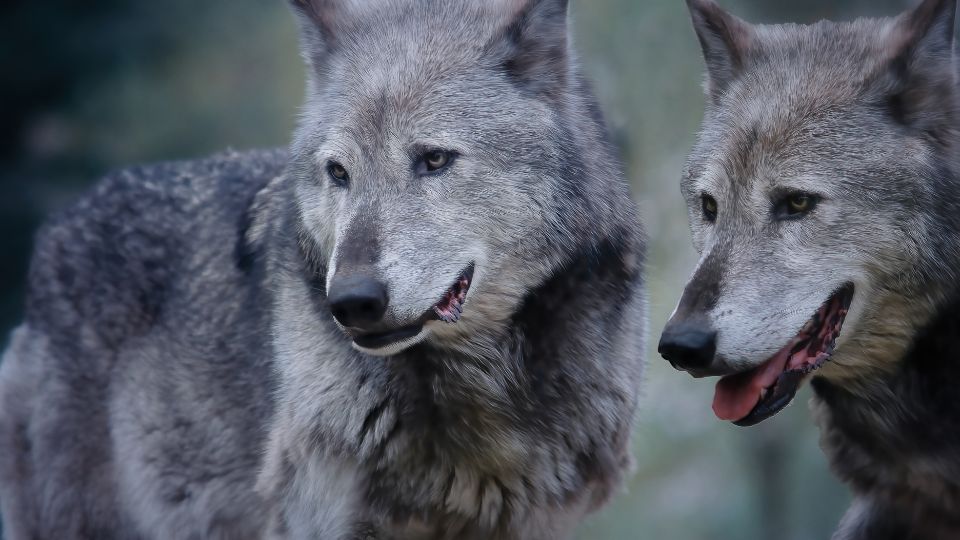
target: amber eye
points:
(796, 205)
(709, 208)
(338, 173)
(434, 161)
(437, 159)
(800, 204)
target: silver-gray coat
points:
(179, 373)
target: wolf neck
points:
(909, 415)
(542, 415)
(523, 374)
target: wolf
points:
(424, 320)
(824, 200)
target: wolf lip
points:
(381, 340)
(751, 397)
(450, 307)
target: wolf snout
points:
(688, 345)
(357, 301)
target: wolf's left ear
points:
(533, 44)
(725, 41)
(922, 65)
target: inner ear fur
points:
(920, 72)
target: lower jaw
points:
(787, 385)
(828, 323)
(379, 341)
(393, 342)
(449, 310)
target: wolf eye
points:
(796, 205)
(433, 161)
(338, 174)
(709, 208)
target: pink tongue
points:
(737, 395)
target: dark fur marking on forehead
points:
(745, 144)
(744, 148)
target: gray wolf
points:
(426, 320)
(824, 199)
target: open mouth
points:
(449, 309)
(751, 397)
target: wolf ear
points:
(922, 66)
(725, 40)
(533, 44)
(927, 30)
(319, 20)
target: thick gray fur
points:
(179, 374)
(864, 114)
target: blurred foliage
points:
(91, 86)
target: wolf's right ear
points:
(319, 20)
(921, 71)
(725, 40)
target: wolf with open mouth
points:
(824, 199)
(425, 320)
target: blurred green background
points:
(91, 86)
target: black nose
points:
(357, 301)
(688, 345)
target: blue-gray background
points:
(91, 86)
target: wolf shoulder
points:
(144, 237)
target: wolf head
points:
(439, 161)
(822, 199)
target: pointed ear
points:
(322, 13)
(533, 44)
(725, 41)
(926, 31)
(319, 21)
(922, 69)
